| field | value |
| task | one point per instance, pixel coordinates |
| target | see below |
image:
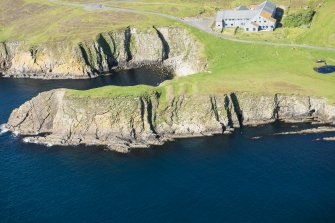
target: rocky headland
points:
(171, 48)
(121, 122)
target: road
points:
(196, 24)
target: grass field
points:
(259, 69)
(246, 68)
(232, 66)
(38, 21)
(184, 8)
(321, 32)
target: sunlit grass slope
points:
(231, 66)
(247, 68)
(38, 21)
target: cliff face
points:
(121, 122)
(170, 47)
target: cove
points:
(14, 92)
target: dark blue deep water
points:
(327, 69)
(230, 178)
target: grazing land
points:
(38, 21)
(321, 31)
(232, 66)
(246, 68)
(193, 7)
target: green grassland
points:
(185, 8)
(38, 21)
(320, 33)
(232, 66)
(259, 69)
(245, 68)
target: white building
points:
(251, 20)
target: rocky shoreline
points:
(329, 138)
(320, 129)
(59, 117)
(172, 48)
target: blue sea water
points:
(225, 178)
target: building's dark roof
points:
(266, 9)
(239, 14)
(267, 6)
(242, 7)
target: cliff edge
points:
(169, 47)
(60, 117)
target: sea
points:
(251, 175)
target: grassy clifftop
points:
(246, 68)
(37, 21)
(232, 66)
(259, 69)
(42, 20)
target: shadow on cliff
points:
(237, 108)
(105, 46)
(165, 45)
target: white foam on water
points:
(3, 129)
(48, 144)
(26, 140)
(30, 140)
(16, 133)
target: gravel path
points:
(194, 23)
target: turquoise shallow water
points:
(230, 178)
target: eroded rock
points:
(169, 47)
(120, 123)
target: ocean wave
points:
(16, 133)
(3, 129)
(30, 140)
(26, 140)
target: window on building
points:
(232, 24)
(247, 29)
(254, 29)
(271, 26)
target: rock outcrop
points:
(168, 47)
(60, 117)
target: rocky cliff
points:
(60, 117)
(169, 47)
